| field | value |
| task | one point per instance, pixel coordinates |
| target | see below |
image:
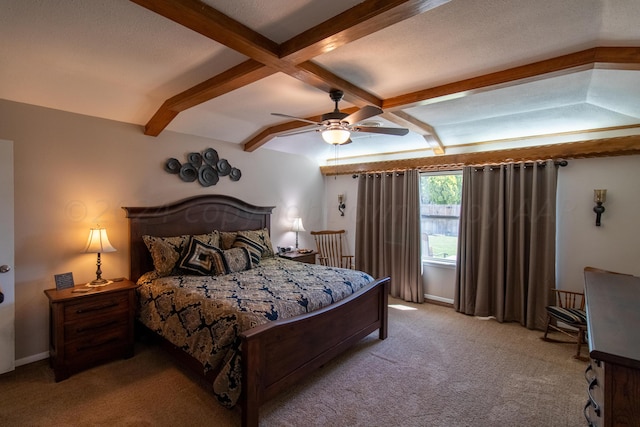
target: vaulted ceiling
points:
(463, 76)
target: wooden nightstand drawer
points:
(102, 305)
(91, 347)
(88, 328)
(95, 326)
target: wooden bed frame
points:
(276, 354)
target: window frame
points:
(430, 259)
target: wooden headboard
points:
(194, 215)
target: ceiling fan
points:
(336, 127)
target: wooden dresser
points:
(613, 376)
(90, 328)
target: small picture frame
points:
(64, 280)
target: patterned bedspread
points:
(204, 315)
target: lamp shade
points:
(98, 242)
(297, 225)
(336, 136)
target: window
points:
(440, 195)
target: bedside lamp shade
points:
(297, 227)
(98, 243)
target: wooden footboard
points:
(277, 354)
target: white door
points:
(7, 306)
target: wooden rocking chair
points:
(569, 309)
(330, 246)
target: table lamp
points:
(297, 227)
(98, 243)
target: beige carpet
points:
(437, 368)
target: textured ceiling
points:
(120, 61)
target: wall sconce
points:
(98, 242)
(599, 196)
(341, 204)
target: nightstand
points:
(309, 258)
(90, 328)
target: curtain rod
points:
(540, 164)
(398, 173)
(445, 168)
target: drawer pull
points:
(97, 308)
(88, 347)
(586, 371)
(97, 326)
(596, 407)
(586, 414)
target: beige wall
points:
(73, 172)
(615, 245)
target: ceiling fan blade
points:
(297, 132)
(362, 114)
(385, 131)
(295, 118)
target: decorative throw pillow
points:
(227, 238)
(166, 251)
(201, 258)
(237, 259)
(261, 236)
(251, 244)
(266, 242)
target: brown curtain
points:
(506, 245)
(388, 231)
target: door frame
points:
(7, 257)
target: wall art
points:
(206, 167)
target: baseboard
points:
(32, 358)
(438, 300)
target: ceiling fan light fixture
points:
(336, 136)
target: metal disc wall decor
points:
(195, 159)
(188, 172)
(223, 167)
(206, 168)
(207, 176)
(172, 166)
(210, 156)
(235, 174)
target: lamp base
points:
(98, 283)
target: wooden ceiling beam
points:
(565, 64)
(241, 75)
(294, 58)
(271, 132)
(215, 25)
(427, 131)
(362, 20)
(291, 58)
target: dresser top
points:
(613, 317)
